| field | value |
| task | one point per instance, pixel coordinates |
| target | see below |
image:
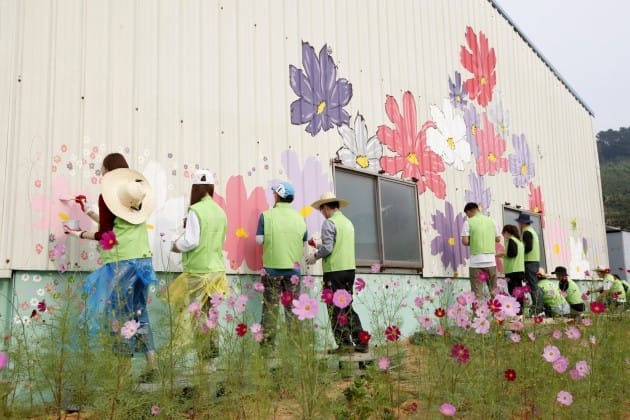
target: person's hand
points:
(315, 242)
(310, 259)
(75, 233)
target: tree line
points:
(613, 148)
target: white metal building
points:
(407, 108)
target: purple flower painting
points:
(521, 165)
(310, 182)
(472, 119)
(322, 95)
(457, 92)
(478, 193)
(448, 242)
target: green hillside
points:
(614, 159)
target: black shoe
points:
(361, 348)
(148, 376)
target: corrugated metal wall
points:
(175, 84)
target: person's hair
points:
(471, 206)
(287, 199)
(199, 191)
(332, 205)
(114, 161)
(617, 276)
(512, 230)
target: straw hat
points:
(128, 195)
(328, 197)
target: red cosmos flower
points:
(241, 330)
(480, 60)
(108, 240)
(41, 306)
(414, 158)
(538, 319)
(440, 312)
(342, 319)
(364, 337)
(597, 307)
(460, 353)
(482, 277)
(392, 333)
(286, 298)
(327, 296)
(510, 375)
(494, 305)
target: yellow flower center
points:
(64, 217)
(473, 129)
(536, 209)
(241, 233)
(321, 107)
(412, 158)
(451, 143)
(451, 241)
(556, 249)
(501, 127)
(458, 98)
(363, 161)
(523, 169)
(307, 307)
(483, 80)
(492, 157)
(306, 211)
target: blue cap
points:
(284, 189)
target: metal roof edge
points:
(541, 56)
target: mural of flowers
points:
(579, 264)
(480, 60)
(472, 119)
(521, 165)
(457, 92)
(536, 202)
(448, 242)
(478, 193)
(322, 95)
(499, 116)
(244, 211)
(491, 148)
(414, 158)
(448, 138)
(358, 150)
(557, 241)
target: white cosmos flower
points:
(358, 150)
(449, 138)
(499, 116)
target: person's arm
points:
(328, 239)
(512, 249)
(260, 231)
(190, 239)
(466, 233)
(528, 241)
(105, 222)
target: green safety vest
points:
(342, 256)
(534, 254)
(482, 235)
(574, 295)
(551, 293)
(207, 257)
(617, 287)
(284, 230)
(133, 242)
(516, 264)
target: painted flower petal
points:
(301, 84)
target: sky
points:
(588, 43)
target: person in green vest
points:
(611, 291)
(571, 290)
(554, 304)
(338, 264)
(532, 260)
(203, 265)
(514, 263)
(282, 233)
(480, 233)
(120, 287)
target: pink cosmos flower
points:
(561, 364)
(583, 368)
(342, 298)
(327, 296)
(482, 277)
(551, 353)
(217, 299)
(573, 333)
(375, 268)
(557, 334)
(439, 330)
(481, 325)
(587, 322)
(195, 309)
(129, 329)
(4, 360)
(259, 287)
(155, 410)
(426, 321)
(108, 240)
(383, 363)
(418, 302)
(516, 338)
(516, 325)
(575, 375)
(241, 303)
(509, 305)
(295, 279)
(532, 336)
(305, 307)
(448, 410)
(564, 398)
(308, 281)
(359, 284)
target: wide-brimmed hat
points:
(524, 219)
(128, 195)
(560, 270)
(602, 269)
(328, 197)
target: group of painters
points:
(119, 288)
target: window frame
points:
(541, 234)
(378, 179)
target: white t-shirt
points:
(480, 260)
(190, 238)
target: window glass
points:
(399, 215)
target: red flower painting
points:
(491, 149)
(536, 202)
(244, 211)
(480, 60)
(414, 159)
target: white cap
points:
(203, 177)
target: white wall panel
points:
(176, 84)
